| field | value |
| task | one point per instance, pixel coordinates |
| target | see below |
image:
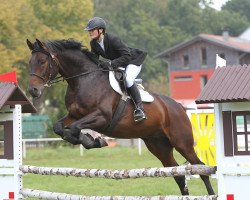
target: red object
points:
(190, 85)
(11, 195)
(230, 197)
(8, 77)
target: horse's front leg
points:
(95, 121)
(59, 129)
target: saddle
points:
(121, 89)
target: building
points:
(229, 90)
(192, 62)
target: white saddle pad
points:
(145, 96)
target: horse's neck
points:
(79, 70)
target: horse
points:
(91, 103)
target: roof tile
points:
(227, 84)
(11, 91)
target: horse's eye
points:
(43, 61)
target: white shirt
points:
(101, 44)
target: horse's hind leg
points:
(163, 150)
(193, 159)
(182, 140)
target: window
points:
(204, 56)
(6, 137)
(183, 78)
(186, 60)
(222, 55)
(203, 80)
(241, 132)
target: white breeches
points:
(132, 72)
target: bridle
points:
(51, 59)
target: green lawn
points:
(105, 158)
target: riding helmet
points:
(96, 22)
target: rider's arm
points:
(122, 50)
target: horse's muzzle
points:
(35, 92)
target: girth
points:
(118, 113)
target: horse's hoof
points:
(102, 142)
(71, 139)
(87, 141)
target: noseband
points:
(51, 59)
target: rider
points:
(120, 55)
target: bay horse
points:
(91, 103)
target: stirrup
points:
(139, 115)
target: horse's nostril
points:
(34, 91)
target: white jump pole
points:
(17, 147)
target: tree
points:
(46, 20)
(9, 40)
(66, 18)
(240, 6)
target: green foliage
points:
(239, 6)
(184, 14)
(223, 19)
(66, 17)
(46, 20)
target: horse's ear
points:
(30, 45)
(40, 44)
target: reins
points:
(61, 78)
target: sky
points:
(218, 3)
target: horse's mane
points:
(62, 45)
(59, 46)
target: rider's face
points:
(94, 34)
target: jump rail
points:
(122, 174)
(62, 196)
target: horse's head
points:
(44, 67)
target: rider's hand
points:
(105, 65)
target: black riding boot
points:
(139, 114)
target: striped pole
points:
(62, 196)
(122, 174)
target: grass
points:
(105, 158)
